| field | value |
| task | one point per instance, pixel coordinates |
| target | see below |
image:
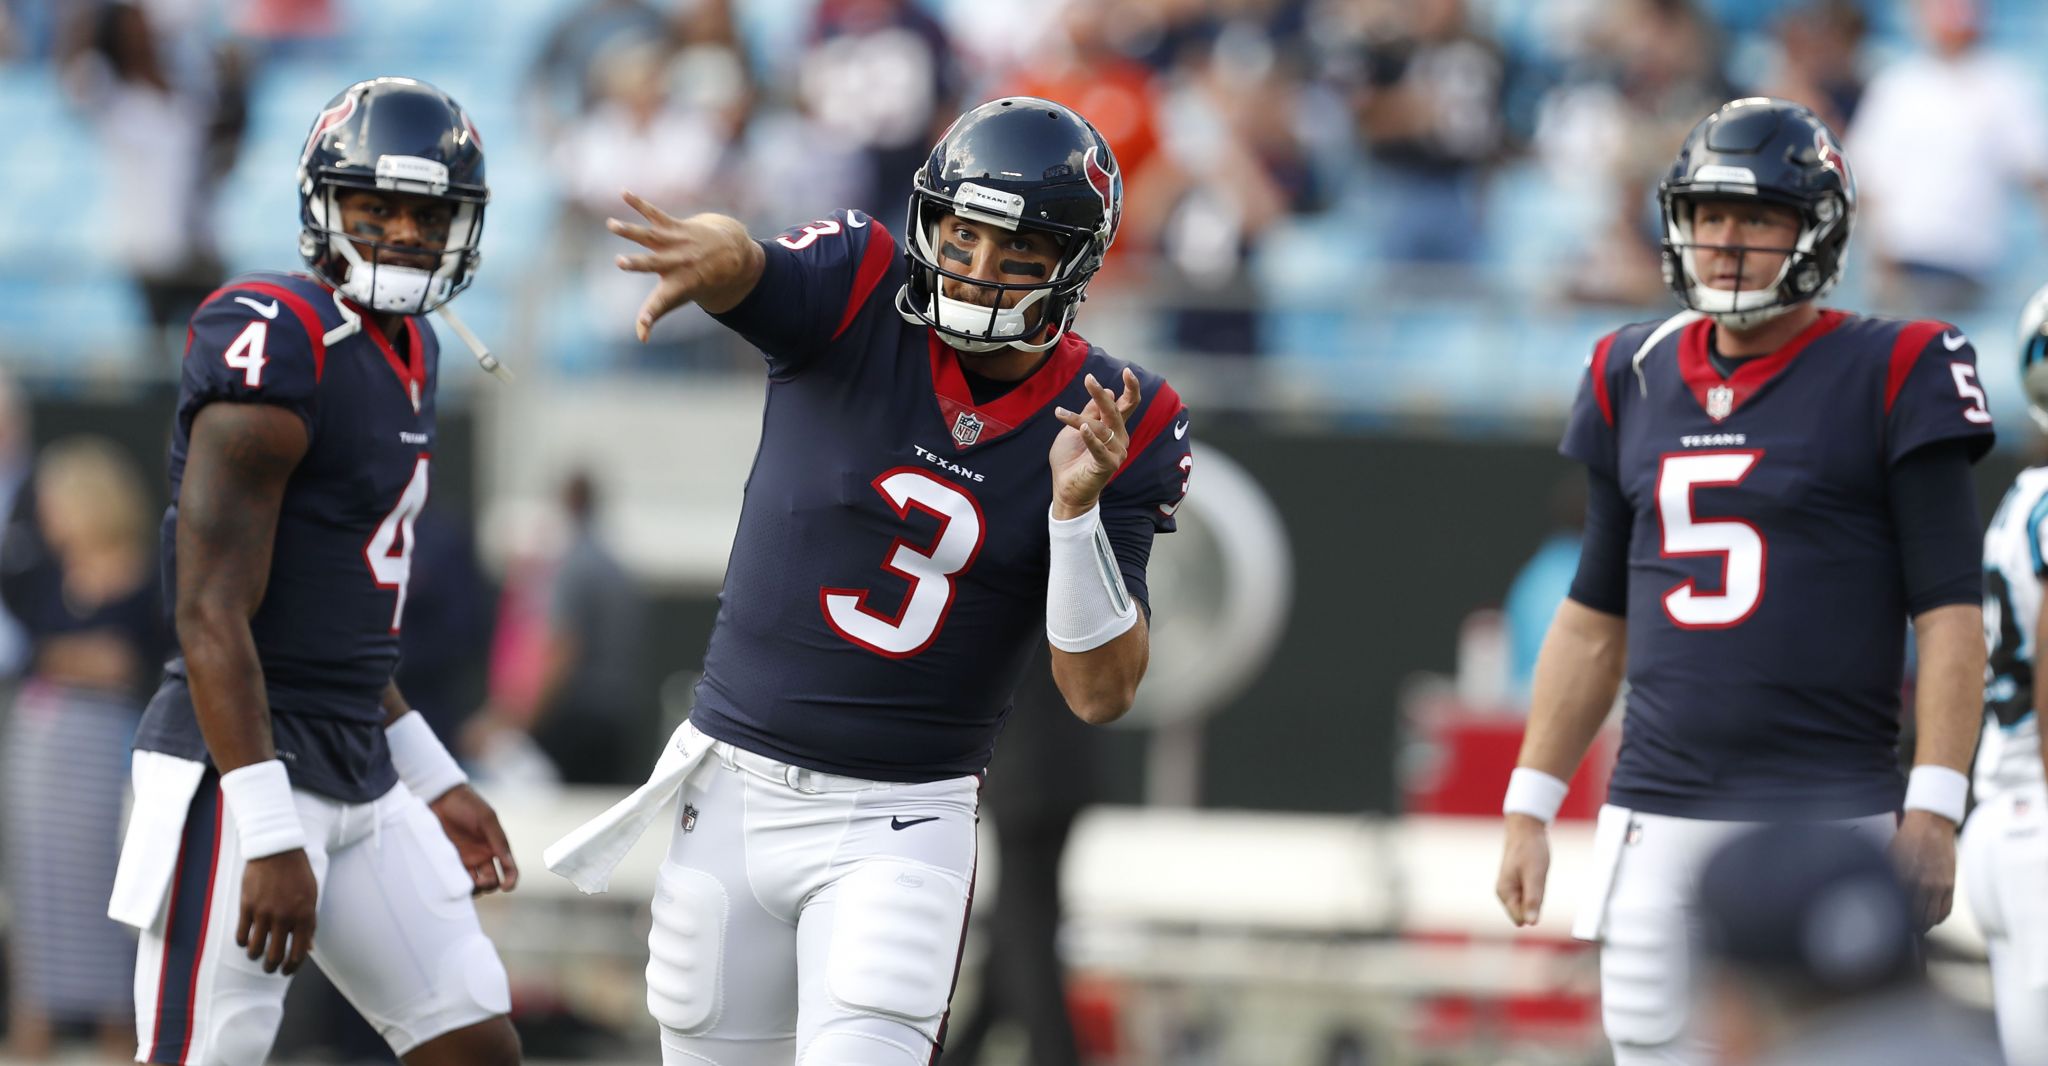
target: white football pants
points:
(1645, 922)
(2005, 863)
(809, 919)
(397, 934)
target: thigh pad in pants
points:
(896, 941)
(686, 949)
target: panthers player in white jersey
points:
(2005, 843)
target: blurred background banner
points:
(1371, 242)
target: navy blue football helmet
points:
(1024, 164)
(1763, 149)
(394, 135)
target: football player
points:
(947, 474)
(1776, 489)
(283, 786)
(2005, 843)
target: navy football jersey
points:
(887, 583)
(327, 630)
(1766, 596)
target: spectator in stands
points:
(1429, 113)
(642, 135)
(881, 74)
(1085, 70)
(1821, 63)
(1811, 958)
(565, 80)
(162, 161)
(1660, 68)
(1231, 167)
(1941, 140)
(81, 577)
(587, 709)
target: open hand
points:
(1093, 447)
(700, 258)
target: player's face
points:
(411, 227)
(1742, 244)
(992, 253)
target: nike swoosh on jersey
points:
(1180, 430)
(268, 310)
(1953, 341)
(855, 220)
(905, 823)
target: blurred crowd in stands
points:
(1280, 155)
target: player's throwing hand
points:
(708, 259)
(1092, 448)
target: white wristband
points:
(259, 795)
(423, 762)
(1939, 790)
(1534, 793)
(1086, 604)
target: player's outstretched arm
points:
(432, 774)
(240, 459)
(707, 259)
(1086, 598)
(1948, 709)
(1577, 674)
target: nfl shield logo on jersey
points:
(689, 818)
(1720, 401)
(967, 428)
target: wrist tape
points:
(1086, 604)
(422, 760)
(1534, 793)
(259, 795)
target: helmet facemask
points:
(1805, 275)
(375, 283)
(974, 327)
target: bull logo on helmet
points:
(1105, 183)
(330, 118)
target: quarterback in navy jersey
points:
(1776, 490)
(945, 477)
(283, 785)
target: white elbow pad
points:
(1086, 604)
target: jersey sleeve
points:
(254, 343)
(1144, 496)
(1589, 435)
(1932, 392)
(817, 278)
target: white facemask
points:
(392, 289)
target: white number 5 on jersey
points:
(1739, 544)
